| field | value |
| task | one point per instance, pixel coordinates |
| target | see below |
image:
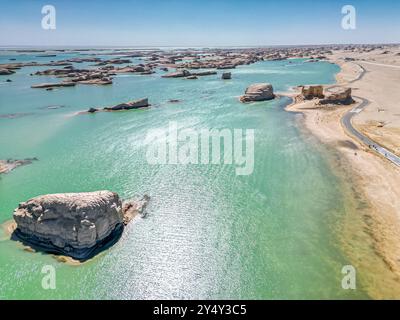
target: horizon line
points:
(193, 46)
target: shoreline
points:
(372, 183)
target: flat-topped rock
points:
(136, 104)
(178, 74)
(258, 92)
(78, 225)
(203, 73)
(337, 95)
(311, 92)
(53, 85)
(102, 81)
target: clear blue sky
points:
(197, 23)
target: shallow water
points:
(209, 233)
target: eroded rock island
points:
(258, 92)
(78, 225)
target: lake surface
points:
(209, 233)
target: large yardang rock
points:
(337, 95)
(73, 224)
(258, 92)
(311, 92)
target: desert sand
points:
(380, 85)
(375, 181)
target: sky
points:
(183, 23)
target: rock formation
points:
(4, 72)
(53, 85)
(311, 92)
(337, 95)
(113, 61)
(136, 104)
(203, 73)
(226, 76)
(178, 74)
(102, 81)
(92, 110)
(258, 92)
(78, 225)
(132, 208)
(10, 164)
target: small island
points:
(77, 225)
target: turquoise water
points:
(209, 233)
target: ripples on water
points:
(209, 233)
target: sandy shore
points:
(381, 118)
(374, 182)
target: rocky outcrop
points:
(10, 164)
(258, 92)
(337, 95)
(203, 73)
(136, 104)
(78, 225)
(132, 208)
(53, 85)
(226, 76)
(80, 60)
(100, 81)
(178, 74)
(311, 92)
(92, 110)
(113, 61)
(4, 72)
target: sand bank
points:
(374, 182)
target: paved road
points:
(380, 64)
(346, 121)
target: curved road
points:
(346, 122)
